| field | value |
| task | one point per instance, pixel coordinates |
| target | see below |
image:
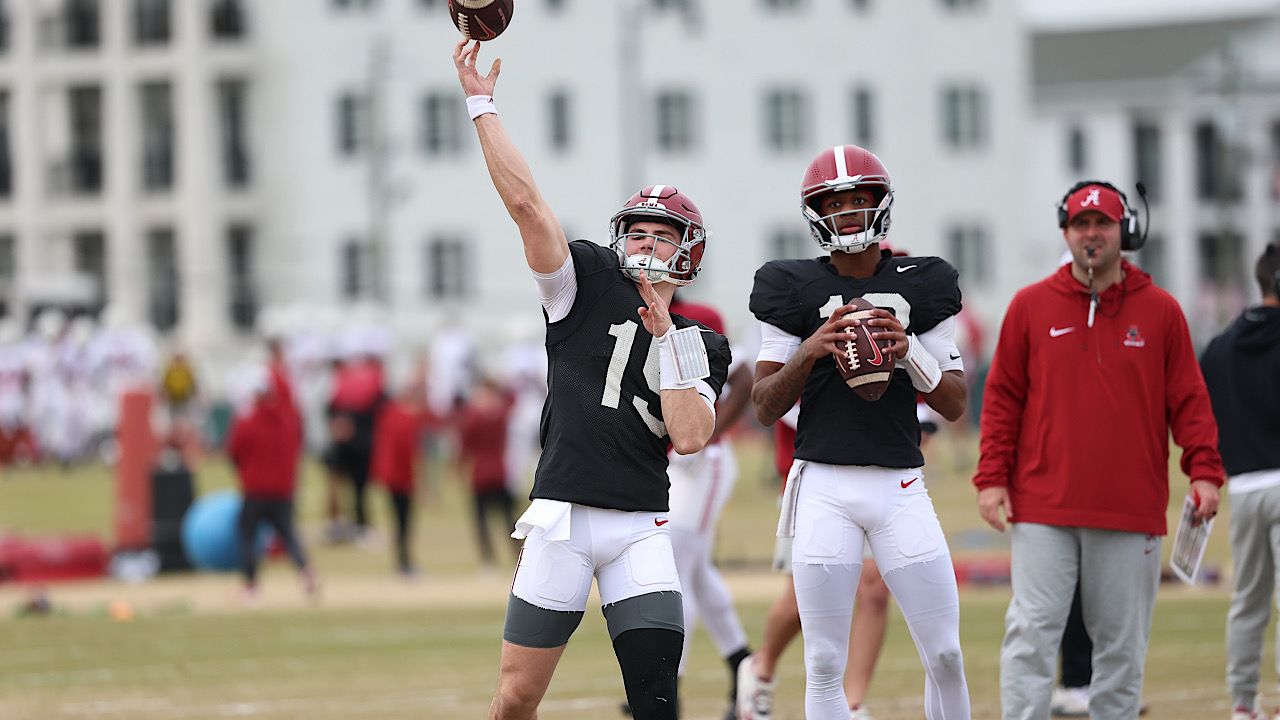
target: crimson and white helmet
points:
(664, 204)
(839, 169)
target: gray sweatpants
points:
(1255, 547)
(1119, 574)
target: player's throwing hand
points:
(829, 336)
(464, 58)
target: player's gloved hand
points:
(473, 83)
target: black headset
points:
(1131, 235)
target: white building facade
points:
(315, 154)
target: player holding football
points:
(857, 477)
(625, 378)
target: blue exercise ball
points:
(209, 531)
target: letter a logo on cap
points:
(1091, 199)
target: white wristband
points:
(478, 105)
(921, 366)
(669, 376)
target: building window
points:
(675, 121)
(783, 4)
(4, 27)
(358, 269)
(961, 4)
(226, 19)
(81, 171)
(81, 24)
(447, 268)
(1153, 258)
(1218, 167)
(90, 249)
(151, 22)
(6, 157)
(1077, 151)
(243, 290)
(863, 111)
(967, 250)
(157, 136)
(1275, 161)
(165, 284)
(791, 243)
(8, 259)
(233, 115)
(432, 4)
(1147, 159)
(560, 127)
(354, 4)
(963, 116)
(442, 115)
(860, 5)
(1222, 261)
(352, 117)
(555, 5)
(784, 119)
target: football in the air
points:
(481, 19)
(863, 363)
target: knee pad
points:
(531, 626)
(655, 611)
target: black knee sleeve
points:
(649, 659)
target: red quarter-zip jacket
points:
(1076, 419)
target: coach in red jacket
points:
(1093, 368)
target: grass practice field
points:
(380, 647)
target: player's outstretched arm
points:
(545, 247)
(777, 387)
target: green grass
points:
(438, 659)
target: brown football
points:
(481, 19)
(863, 363)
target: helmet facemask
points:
(874, 221)
(681, 268)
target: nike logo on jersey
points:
(905, 268)
(1059, 332)
(660, 523)
(953, 357)
(907, 484)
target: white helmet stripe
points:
(842, 172)
(657, 191)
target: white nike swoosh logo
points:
(1055, 332)
(905, 268)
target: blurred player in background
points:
(858, 472)
(701, 485)
(1093, 368)
(397, 432)
(1242, 371)
(482, 454)
(265, 442)
(626, 379)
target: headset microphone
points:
(1146, 210)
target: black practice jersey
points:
(836, 426)
(604, 442)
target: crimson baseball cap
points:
(1095, 197)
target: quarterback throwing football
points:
(625, 379)
(857, 473)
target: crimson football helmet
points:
(839, 169)
(665, 204)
